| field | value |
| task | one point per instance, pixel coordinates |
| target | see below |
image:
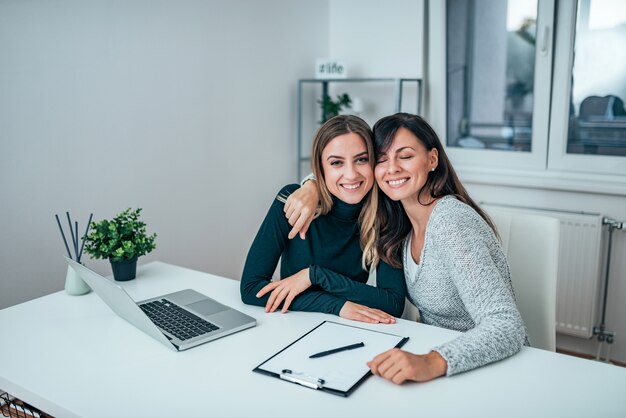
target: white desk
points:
(71, 356)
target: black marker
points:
(337, 350)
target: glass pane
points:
(597, 117)
(490, 73)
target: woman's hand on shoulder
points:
(285, 290)
(398, 366)
(300, 209)
(356, 312)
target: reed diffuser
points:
(74, 285)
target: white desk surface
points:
(71, 356)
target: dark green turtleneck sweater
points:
(332, 252)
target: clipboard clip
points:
(302, 379)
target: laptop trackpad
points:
(207, 307)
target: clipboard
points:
(339, 373)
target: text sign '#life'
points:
(326, 68)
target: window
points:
(490, 75)
(597, 118)
(526, 85)
(589, 121)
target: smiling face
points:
(403, 169)
(348, 174)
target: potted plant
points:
(331, 108)
(122, 240)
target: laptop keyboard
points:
(177, 321)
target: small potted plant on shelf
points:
(122, 240)
(331, 108)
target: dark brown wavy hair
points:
(393, 221)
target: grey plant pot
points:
(124, 270)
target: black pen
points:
(337, 350)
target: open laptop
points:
(180, 320)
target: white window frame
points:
(536, 158)
(543, 167)
(559, 159)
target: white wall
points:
(376, 38)
(186, 109)
(183, 108)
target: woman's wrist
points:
(310, 183)
(437, 364)
(305, 180)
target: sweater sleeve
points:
(263, 256)
(499, 330)
(389, 294)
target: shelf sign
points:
(328, 68)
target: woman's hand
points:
(399, 366)
(356, 312)
(285, 290)
(300, 208)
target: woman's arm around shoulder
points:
(301, 207)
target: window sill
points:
(546, 180)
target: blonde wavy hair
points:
(368, 223)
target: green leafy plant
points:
(122, 238)
(332, 108)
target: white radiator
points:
(580, 269)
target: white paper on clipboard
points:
(339, 371)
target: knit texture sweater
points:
(333, 254)
(463, 283)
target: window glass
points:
(597, 122)
(490, 73)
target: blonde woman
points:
(327, 271)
